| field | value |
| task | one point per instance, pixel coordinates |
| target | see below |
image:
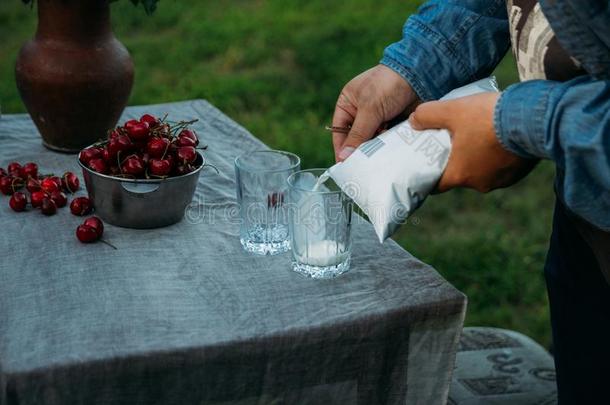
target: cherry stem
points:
(180, 125)
(205, 164)
(109, 244)
(118, 161)
(16, 185)
(165, 151)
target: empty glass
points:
(261, 186)
(320, 225)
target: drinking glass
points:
(320, 219)
(261, 187)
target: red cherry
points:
(48, 206)
(57, 181)
(49, 184)
(160, 167)
(10, 184)
(137, 131)
(95, 223)
(106, 155)
(133, 165)
(187, 154)
(81, 206)
(37, 197)
(18, 174)
(149, 119)
(130, 123)
(86, 234)
(99, 166)
(189, 133)
(59, 199)
(185, 141)
(3, 172)
(32, 185)
(69, 182)
(13, 167)
(29, 170)
(156, 147)
(18, 201)
(86, 155)
(6, 185)
(121, 144)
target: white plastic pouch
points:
(391, 175)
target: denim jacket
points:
(449, 43)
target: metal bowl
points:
(141, 203)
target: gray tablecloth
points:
(182, 315)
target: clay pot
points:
(74, 77)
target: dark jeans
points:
(579, 297)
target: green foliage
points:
(277, 68)
(149, 5)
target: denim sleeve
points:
(568, 123)
(448, 44)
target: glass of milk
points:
(320, 219)
(261, 193)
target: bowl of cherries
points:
(145, 173)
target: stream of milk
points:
(321, 180)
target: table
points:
(183, 315)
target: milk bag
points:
(391, 175)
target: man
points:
(560, 111)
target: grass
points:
(277, 67)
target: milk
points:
(321, 180)
(310, 247)
(323, 253)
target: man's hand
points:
(366, 103)
(477, 159)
